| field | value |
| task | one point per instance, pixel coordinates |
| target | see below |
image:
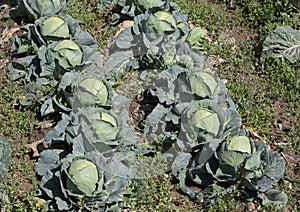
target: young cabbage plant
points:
(196, 38)
(4, 156)
(82, 181)
(35, 9)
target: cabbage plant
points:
(205, 120)
(82, 181)
(47, 80)
(77, 90)
(48, 29)
(157, 24)
(177, 85)
(155, 41)
(92, 129)
(239, 161)
(187, 97)
(35, 9)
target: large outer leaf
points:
(125, 39)
(283, 42)
(275, 197)
(270, 171)
(119, 63)
(148, 4)
(48, 160)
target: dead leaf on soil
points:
(252, 207)
(254, 134)
(290, 157)
(44, 125)
(36, 147)
(191, 24)
(213, 60)
(123, 26)
(8, 34)
(39, 202)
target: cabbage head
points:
(64, 56)
(159, 23)
(55, 26)
(82, 177)
(204, 120)
(92, 91)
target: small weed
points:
(157, 194)
(227, 202)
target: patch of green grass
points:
(265, 15)
(154, 195)
(14, 122)
(15, 126)
(282, 85)
(91, 20)
(204, 15)
(158, 194)
(226, 202)
(292, 190)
